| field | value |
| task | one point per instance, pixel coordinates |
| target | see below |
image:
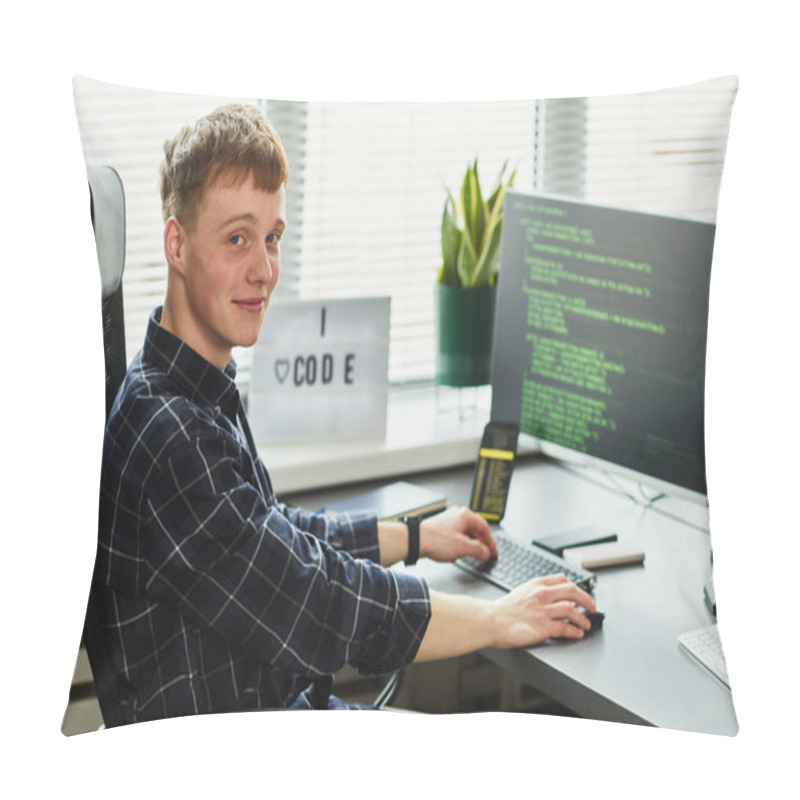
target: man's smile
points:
(252, 304)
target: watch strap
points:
(412, 523)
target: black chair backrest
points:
(108, 220)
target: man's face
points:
(229, 264)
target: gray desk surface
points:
(633, 669)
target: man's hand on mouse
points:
(541, 609)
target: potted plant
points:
(466, 284)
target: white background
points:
(52, 382)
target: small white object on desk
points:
(609, 554)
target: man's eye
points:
(273, 238)
(236, 239)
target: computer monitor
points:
(600, 337)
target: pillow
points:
(376, 170)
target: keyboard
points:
(517, 563)
(705, 647)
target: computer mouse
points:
(596, 618)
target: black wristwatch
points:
(412, 523)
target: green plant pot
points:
(465, 330)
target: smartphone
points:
(580, 537)
(492, 475)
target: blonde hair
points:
(235, 141)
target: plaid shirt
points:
(218, 597)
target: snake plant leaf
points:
(487, 266)
(472, 207)
(467, 201)
(488, 263)
(499, 192)
(479, 229)
(466, 262)
(451, 244)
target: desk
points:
(632, 670)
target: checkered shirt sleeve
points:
(271, 579)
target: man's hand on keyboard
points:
(456, 533)
(541, 609)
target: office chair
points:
(388, 694)
(107, 205)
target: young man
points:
(217, 596)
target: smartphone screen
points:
(493, 469)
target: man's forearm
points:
(392, 542)
(458, 625)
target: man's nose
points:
(263, 266)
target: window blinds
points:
(660, 152)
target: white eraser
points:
(609, 554)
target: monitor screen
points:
(600, 336)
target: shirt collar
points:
(197, 378)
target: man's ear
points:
(174, 238)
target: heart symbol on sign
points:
(281, 369)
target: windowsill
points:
(425, 430)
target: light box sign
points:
(320, 371)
